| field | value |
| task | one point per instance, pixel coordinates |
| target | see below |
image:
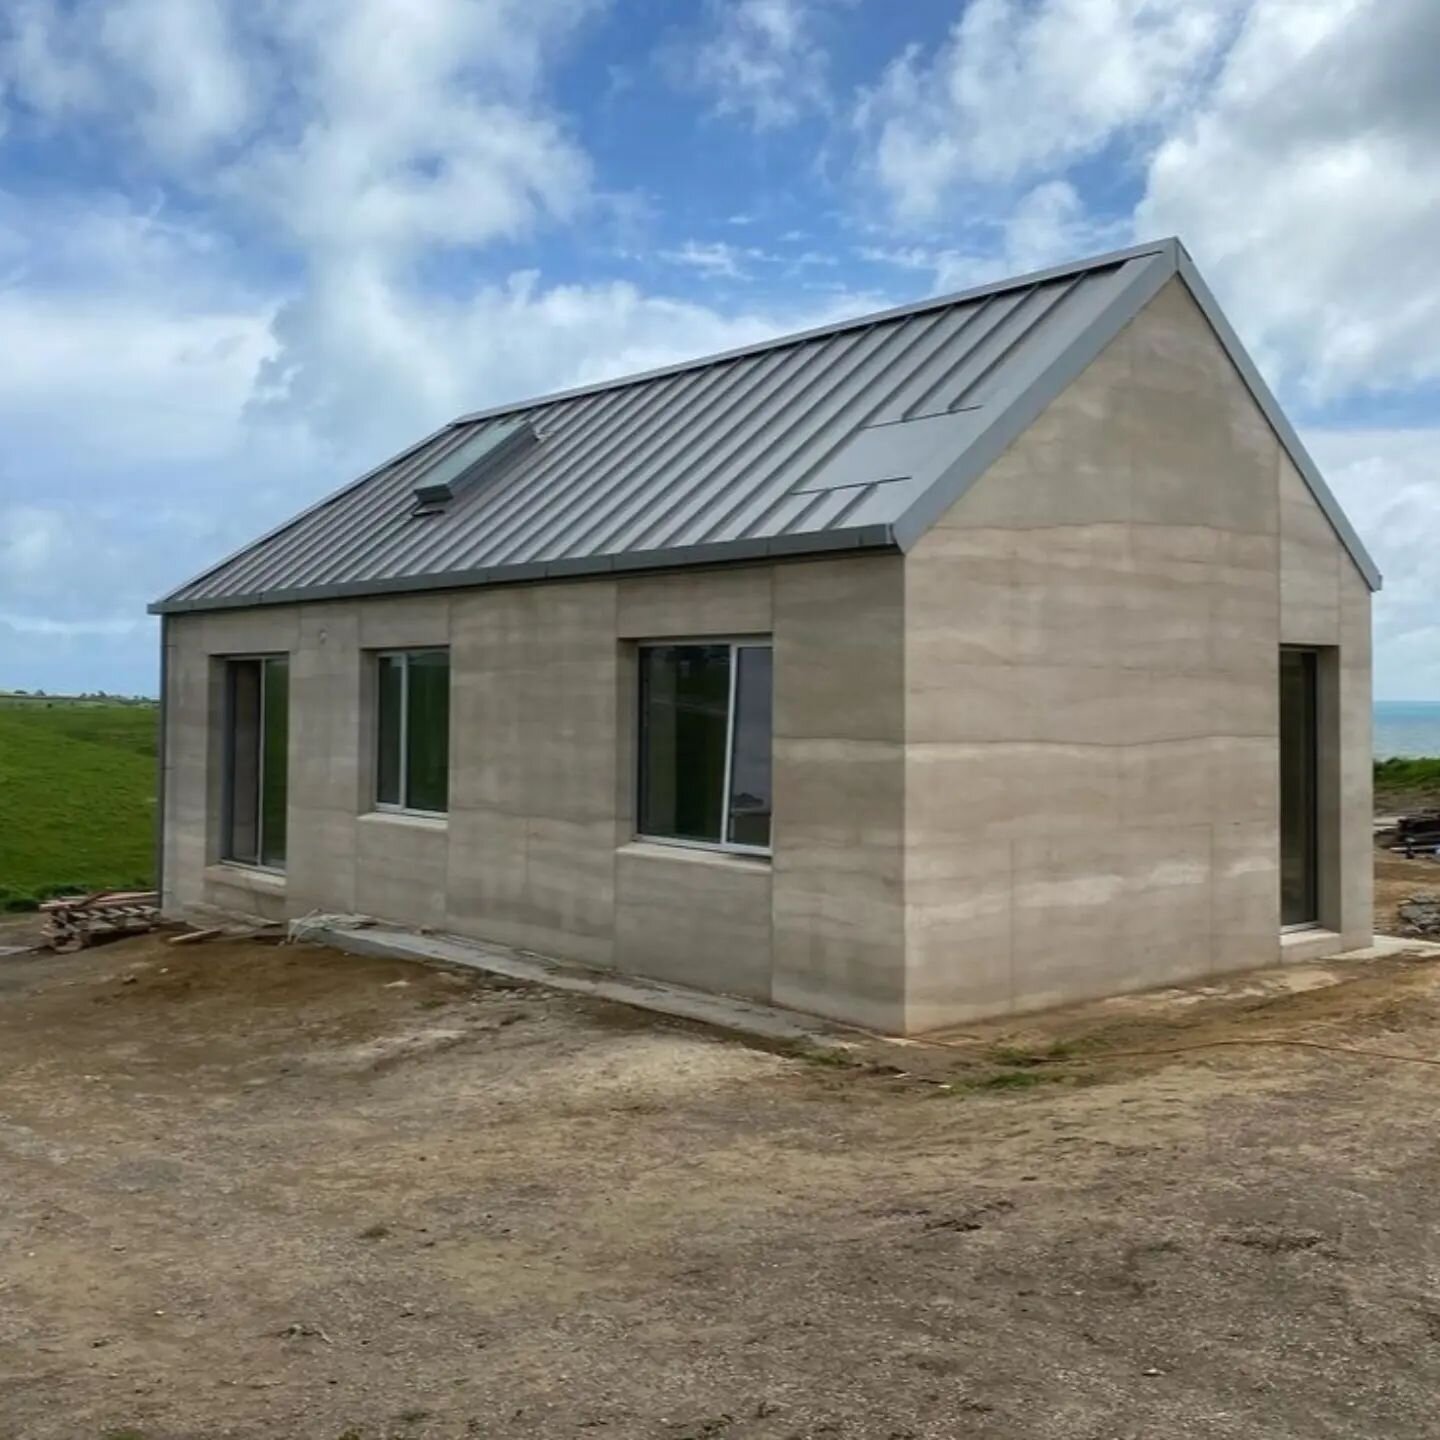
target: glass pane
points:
(1298, 856)
(390, 680)
(684, 714)
(243, 756)
(427, 731)
(274, 785)
(750, 762)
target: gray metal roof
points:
(856, 435)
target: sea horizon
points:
(1406, 728)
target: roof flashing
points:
(907, 449)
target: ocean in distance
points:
(1406, 727)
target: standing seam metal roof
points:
(860, 434)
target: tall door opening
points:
(1299, 839)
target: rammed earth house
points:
(998, 651)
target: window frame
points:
(390, 807)
(227, 779)
(734, 643)
(1310, 656)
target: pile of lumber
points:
(73, 921)
(1418, 833)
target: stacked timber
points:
(1418, 834)
(73, 921)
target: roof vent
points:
(484, 454)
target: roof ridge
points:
(1109, 259)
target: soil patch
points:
(252, 1191)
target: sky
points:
(249, 248)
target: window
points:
(705, 744)
(1299, 827)
(412, 770)
(489, 449)
(257, 743)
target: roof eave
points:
(728, 552)
(1285, 432)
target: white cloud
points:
(1290, 143)
(43, 64)
(394, 130)
(126, 458)
(433, 359)
(1388, 482)
(72, 629)
(711, 258)
(31, 544)
(760, 60)
(388, 124)
(715, 259)
(417, 129)
(1045, 227)
(137, 338)
(1307, 184)
(190, 106)
(1022, 88)
(170, 70)
(415, 125)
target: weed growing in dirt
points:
(1017, 1057)
(1013, 1080)
(1003, 1080)
(818, 1055)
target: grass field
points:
(1407, 784)
(77, 796)
(77, 799)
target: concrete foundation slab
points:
(724, 1012)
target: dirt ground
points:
(260, 1191)
(1396, 879)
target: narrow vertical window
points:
(257, 745)
(412, 731)
(704, 767)
(390, 727)
(427, 731)
(1299, 828)
(749, 812)
(243, 769)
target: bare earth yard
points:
(279, 1192)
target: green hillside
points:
(77, 798)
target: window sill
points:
(249, 878)
(413, 819)
(695, 855)
(1311, 943)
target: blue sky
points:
(249, 247)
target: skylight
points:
(480, 457)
